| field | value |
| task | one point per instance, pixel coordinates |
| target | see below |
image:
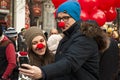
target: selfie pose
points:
(38, 52)
(77, 55)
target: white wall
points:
(19, 14)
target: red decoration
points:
(99, 16)
(57, 2)
(22, 53)
(84, 15)
(111, 14)
(106, 4)
(55, 14)
(40, 46)
(88, 5)
(61, 24)
(27, 26)
(117, 3)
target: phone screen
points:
(23, 59)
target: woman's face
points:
(39, 40)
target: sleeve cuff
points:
(43, 75)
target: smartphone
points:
(23, 60)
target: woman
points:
(38, 51)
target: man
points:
(21, 44)
(53, 31)
(7, 57)
(77, 55)
(12, 34)
(53, 40)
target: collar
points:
(73, 28)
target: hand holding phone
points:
(23, 60)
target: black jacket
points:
(109, 62)
(76, 58)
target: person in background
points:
(115, 35)
(77, 56)
(21, 41)
(4, 26)
(53, 31)
(12, 34)
(46, 34)
(38, 52)
(108, 48)
(109, 61)
(7, 57)
(53, 42)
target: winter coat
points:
(76, 57)
(21, 43)
(109, 62)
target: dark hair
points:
(1, 31)
(37, 60)
(91, 29)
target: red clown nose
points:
(40, 46)
(61, 24)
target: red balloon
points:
(88, 5)
(99, 16)
(117, 3)
(111, 14)
(55, 14)
(84, 15)
(56, 3)
(105, 4)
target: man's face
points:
(68, 20)
(53, 31)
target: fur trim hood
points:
(91, 29)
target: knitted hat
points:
(72, 8)
(11, 32)
(31, 33)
